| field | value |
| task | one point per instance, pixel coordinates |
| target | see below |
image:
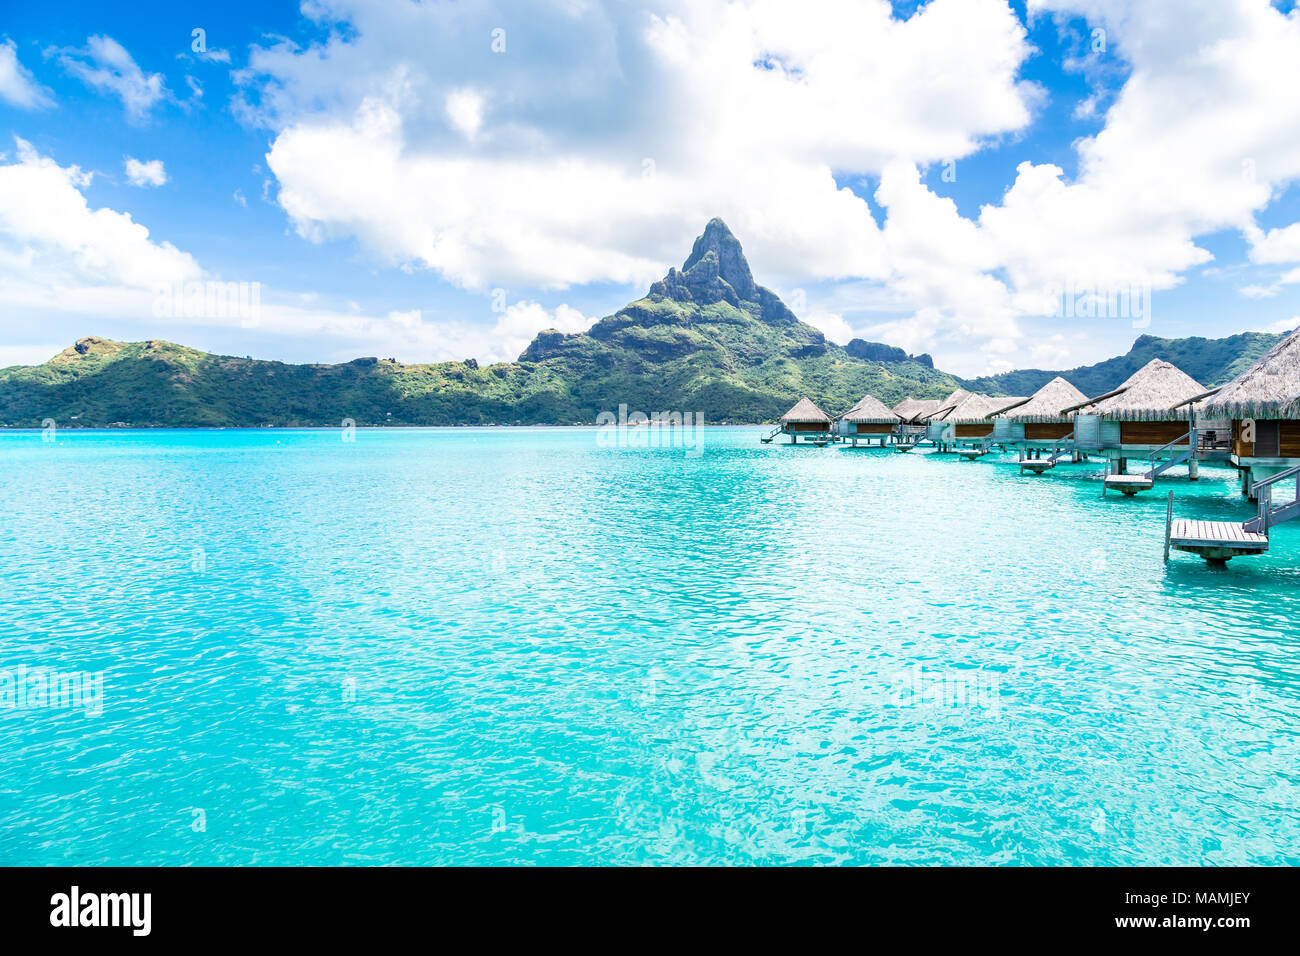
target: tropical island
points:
(704, 338)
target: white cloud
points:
(611, 143)
(596, 149)
(594, 163)
(1258, 291)
(104, 64)
(44, 216)
(465, 111)
(830, 324)
(1276, 245)
(1280, 326)
(150, 173)
(17, 85)
(59, 258)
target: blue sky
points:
(442, 180)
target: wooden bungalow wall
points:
(1047, 431)
(1151, 433)
(1273, 439)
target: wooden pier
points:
(1036, 465)
(1128, 484)
(1218, 541)
(1215, 541)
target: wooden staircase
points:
(1269, 515)
(1132, 484)
(1040, 465)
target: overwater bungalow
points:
(912, 413)
(805, 420)
(1037, 427)
(966, 424)
(910, 408)
(936, 424)
(1263, 406)
(1148, 419)
(869, 421)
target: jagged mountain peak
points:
(725, 248)
(717, 271)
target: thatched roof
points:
(1045, 404)
(870, 410)
(1268, 389)
(954, 398)
(945, 406)
(975, 409)
(1150, 395)
(805, 411)
(912, 408)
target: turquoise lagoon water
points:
(503, 646)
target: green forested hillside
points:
(704, 339)
(1210, 361)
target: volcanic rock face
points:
(711, 304)
(716, 271)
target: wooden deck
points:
(1036, 465)
(1215, 540)
(1129, 484)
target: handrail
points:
(1274, 479)
(1176, 441)
(1057, 450)
(1191, 450)
(1263, 489)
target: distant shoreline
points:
(333, 428)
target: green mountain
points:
(705, 339)
(1210, 361)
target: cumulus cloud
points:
(625, 130)
(605, 135)
(149, 173)
(637, 126)
(830, 324)
(465, 110)
(60, 257)
(17, 85)
(1275, 245)
(44, 217)
(105, 65)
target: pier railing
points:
(1059, 452)
(1156, 469)
(1268, 515)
